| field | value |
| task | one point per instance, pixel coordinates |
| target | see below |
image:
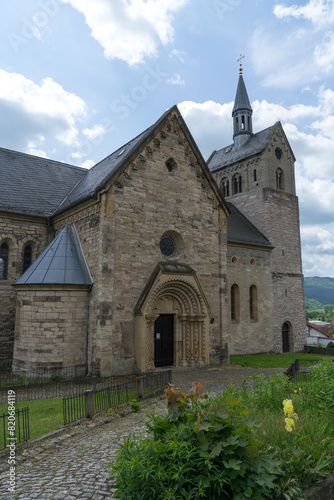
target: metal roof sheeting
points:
(61, 263)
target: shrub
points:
(330, 345)
(203, 448)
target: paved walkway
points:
(72, 466)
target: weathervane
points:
(240, 69)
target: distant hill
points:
(319, 289)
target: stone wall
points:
(147, 202)
(247, 267)
(17, 231)
(50, 326)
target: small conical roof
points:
(241, 98)
(61, 263)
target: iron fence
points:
(128, 388)
(42, 374)
(15, 430)
(45, 390)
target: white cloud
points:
(131, 30)
(34, 150)
(94, 133)
(87, 164)
(319, 12)
(43, 108)
(176, 80)
(178, 54)
(318, 250)
(210, 123)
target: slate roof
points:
(61, 263)
(241, 100)
(34, 186)
(241, 230)
(228, 155)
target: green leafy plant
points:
(203, 448)
(135, 406)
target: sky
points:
(80, 78)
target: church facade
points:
(153, 257)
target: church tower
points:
(256, 175)
(242, 113)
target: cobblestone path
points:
(72, 466)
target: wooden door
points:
(164, 340)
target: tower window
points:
(254, 173)
(225, 187)
(3, 261)
(242, 122)
(237, 124)
(279, 179)
(237, 184)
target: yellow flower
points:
(288, 406)
(290, 423)
(295, 391)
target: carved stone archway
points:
(173, 289)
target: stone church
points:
(153, 257)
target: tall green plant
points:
(203, 448)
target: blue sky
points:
(79, 78)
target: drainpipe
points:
(87, 329)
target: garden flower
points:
(291, 416)
(288, 407)
(289, 424)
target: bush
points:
(330, 345)
(203, 448)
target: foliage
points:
(320, 289)
(203, 448)
(275, 360)
(330, 345)
(135, 406)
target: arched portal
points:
(174, 295)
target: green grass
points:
(276, 360)
(45, 415)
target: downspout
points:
(87, 329)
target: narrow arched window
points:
(225, 187)
(235, 303)
(254, 173)
(243, 122)
(286, 337)
(235, 185)
(27, 258)
(240, 184)
(279, 179)
(237, 124)
(253, 304)
(4, 251)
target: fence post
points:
(169, 376)
(94, 377)
(140, 387)
(89, 403)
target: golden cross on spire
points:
(240, 69)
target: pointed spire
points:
(241, 113)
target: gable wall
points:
(16, 231)
(148, 202)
